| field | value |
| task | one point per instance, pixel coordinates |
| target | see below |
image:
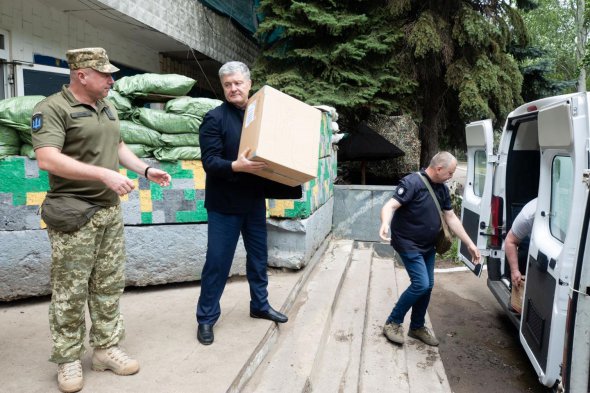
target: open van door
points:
(555, 239)
(477, 194)
(576, 355)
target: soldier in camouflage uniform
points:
(77, 140)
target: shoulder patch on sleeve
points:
(37, 122)
(401, 190)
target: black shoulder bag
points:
(444, 239)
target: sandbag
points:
(25, 136)
(178, 153)
(28, 151)
(141, 151)
(133, 133)
(16, 112)
(197, 106)
(9, 136)
(180, 139)
(122, 104)
(166, 123)
(143, 84)
(6, 151)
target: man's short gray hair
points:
(232, 67)
(442, 159)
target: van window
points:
(562, 176)
(479, 172)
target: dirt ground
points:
(478, 344)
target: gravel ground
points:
(479, 345)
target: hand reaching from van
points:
(511, 244)
(516, 278)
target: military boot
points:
(114, 359)
(69, 377)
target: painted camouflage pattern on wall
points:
(315, 193)
(404, 133)
(23, 186)
(326, 136)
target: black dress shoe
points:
(205, 334)
(270, 314)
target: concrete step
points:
(333, 341)
(426, 372)
(270, 338)
(337, 366)
(289, 364)
(383, 364)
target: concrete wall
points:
(291, 243)
(36, 28)
(191, 23)
(159, 254)
(357, 211)
(165, 234)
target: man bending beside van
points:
(413, 218)
(521, 229)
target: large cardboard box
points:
(283, 132)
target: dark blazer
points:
(219, 137)
(226, 191)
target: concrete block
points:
(158, 254)
(357, 211)
(24, 265)
(173, 253)
(292, 242)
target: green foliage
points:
(470, 29)
(553, 69)
(452, 254)
(470, 76)
(335, 53)
(425, 35)
(444, 62)
(538, 71)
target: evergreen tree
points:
(464, 72)
(538, 71)
(445, 62)
(339, 53)
(552, 29)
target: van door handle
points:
(487, 234)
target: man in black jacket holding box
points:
(234, 199)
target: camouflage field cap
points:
(95, 58)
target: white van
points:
(544, 151)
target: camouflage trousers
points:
(87, 266)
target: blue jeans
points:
(420, 268)
(222, 239)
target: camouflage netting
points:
(402, 132)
